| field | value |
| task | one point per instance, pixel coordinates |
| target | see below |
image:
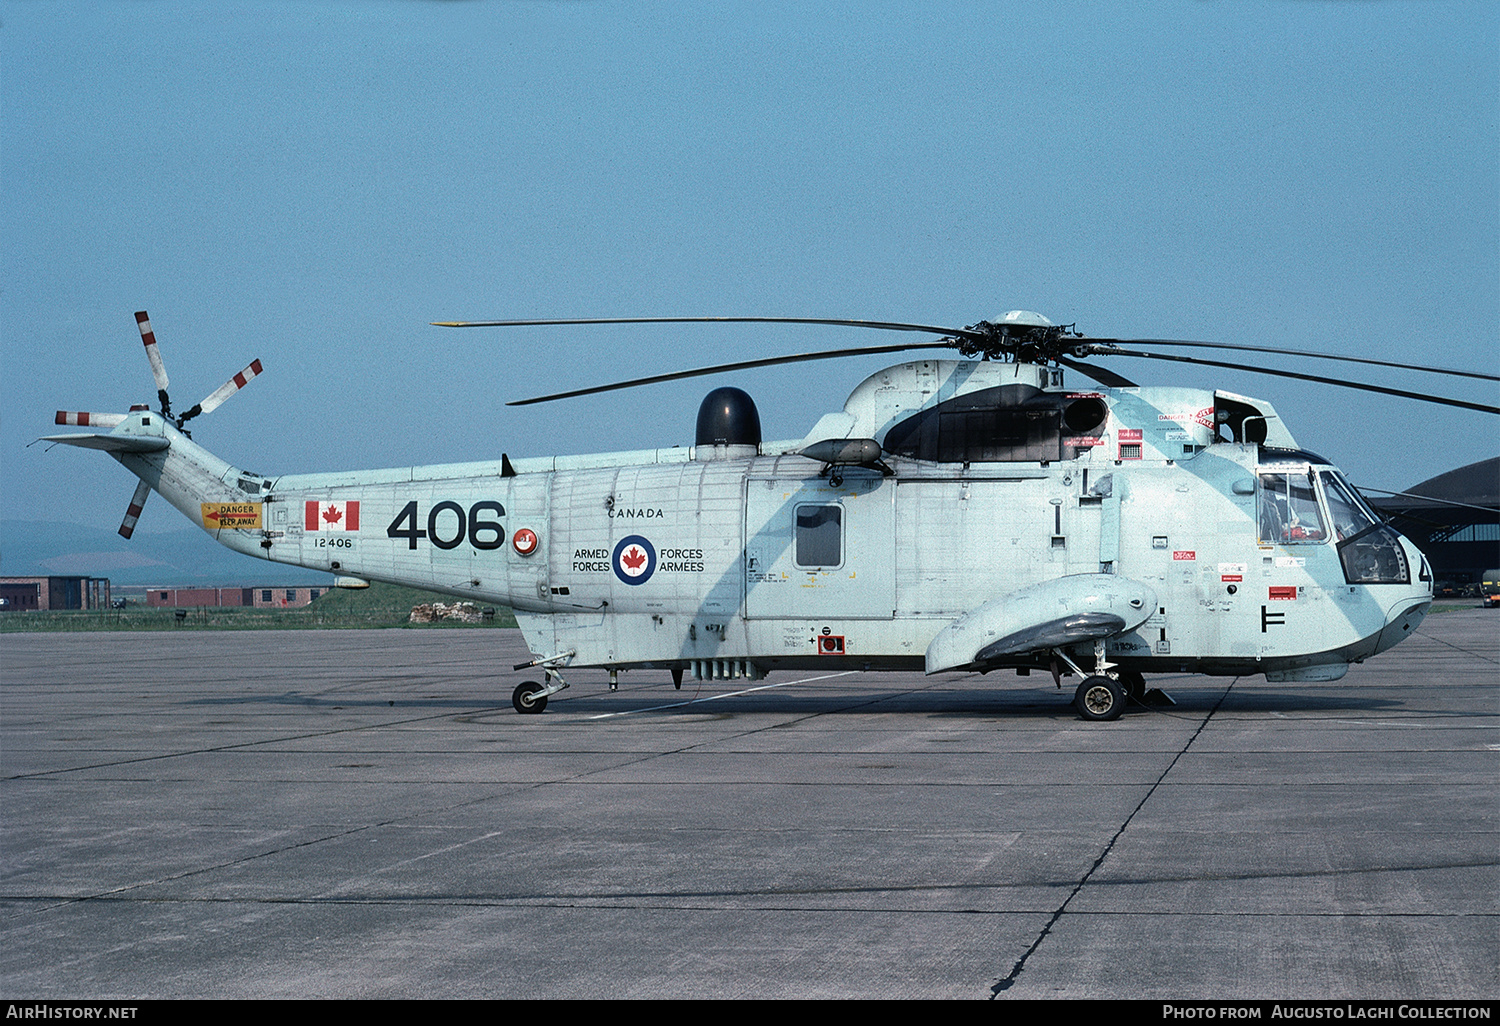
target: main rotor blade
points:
(1420, 396)
(1287, 352)
(1107, 378)
(722, 368)
(879, 325)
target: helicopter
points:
(956, 515)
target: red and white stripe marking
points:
(105, 420)
(231, 386)
(133, 513)
(148, 337)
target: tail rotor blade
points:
(224, 391)
(148, 337)
(104, 420)
(158, 369)
(133, 513)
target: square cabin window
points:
(820, 536)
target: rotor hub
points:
(1022, 336)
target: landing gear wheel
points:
(1099, 698)
(526, 699)
(1134, 684)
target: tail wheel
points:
(527, 698)
(1099, 698)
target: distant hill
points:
(30, 548)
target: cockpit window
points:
(1371, 552)
(1346, 511)
(1289, 511)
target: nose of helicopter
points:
(1409, 609)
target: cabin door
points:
(814, 550)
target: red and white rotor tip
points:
(230, 387)
(148, 337)
(104, 420)
(132, 514)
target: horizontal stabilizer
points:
(111, 443)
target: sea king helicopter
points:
(957, 515)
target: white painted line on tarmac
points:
(727, 694)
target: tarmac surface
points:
(362, 814)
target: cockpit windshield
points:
(1346, 510)
(1290, 514)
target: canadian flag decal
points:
(332, 516)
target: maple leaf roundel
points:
(634, 560)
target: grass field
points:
(379, 605)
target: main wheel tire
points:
(1099, 698)
(526, 698)
(1133, 683)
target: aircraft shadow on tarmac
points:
(1192, 697)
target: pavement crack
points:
(1484, 656)
(1008, 981)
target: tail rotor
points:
(159, 373)
(132, 443)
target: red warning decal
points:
(1284, 591)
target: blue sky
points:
(312, 183)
